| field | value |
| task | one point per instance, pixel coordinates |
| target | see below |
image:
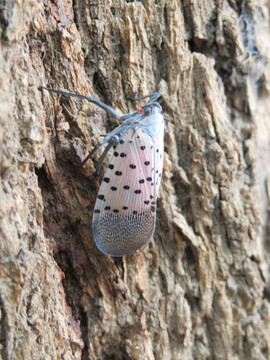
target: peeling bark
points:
(200, 289)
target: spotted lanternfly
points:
(125, 211)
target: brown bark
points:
(200, 289)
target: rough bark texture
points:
(200, 289)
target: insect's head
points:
(151, 109)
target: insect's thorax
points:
(153, 124)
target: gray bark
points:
(200, 289)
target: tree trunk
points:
(200, 289)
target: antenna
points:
(97, 102)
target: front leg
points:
(113, 140)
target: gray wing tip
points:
(119, 235)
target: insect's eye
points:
(147, 111)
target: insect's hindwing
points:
(125, 210)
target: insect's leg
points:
(152, 97)
(114, 140)
(105, 107)
(90, 154)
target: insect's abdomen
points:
(118, 235)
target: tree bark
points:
(200, 289)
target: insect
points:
(124, 215)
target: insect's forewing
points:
(125, 210)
